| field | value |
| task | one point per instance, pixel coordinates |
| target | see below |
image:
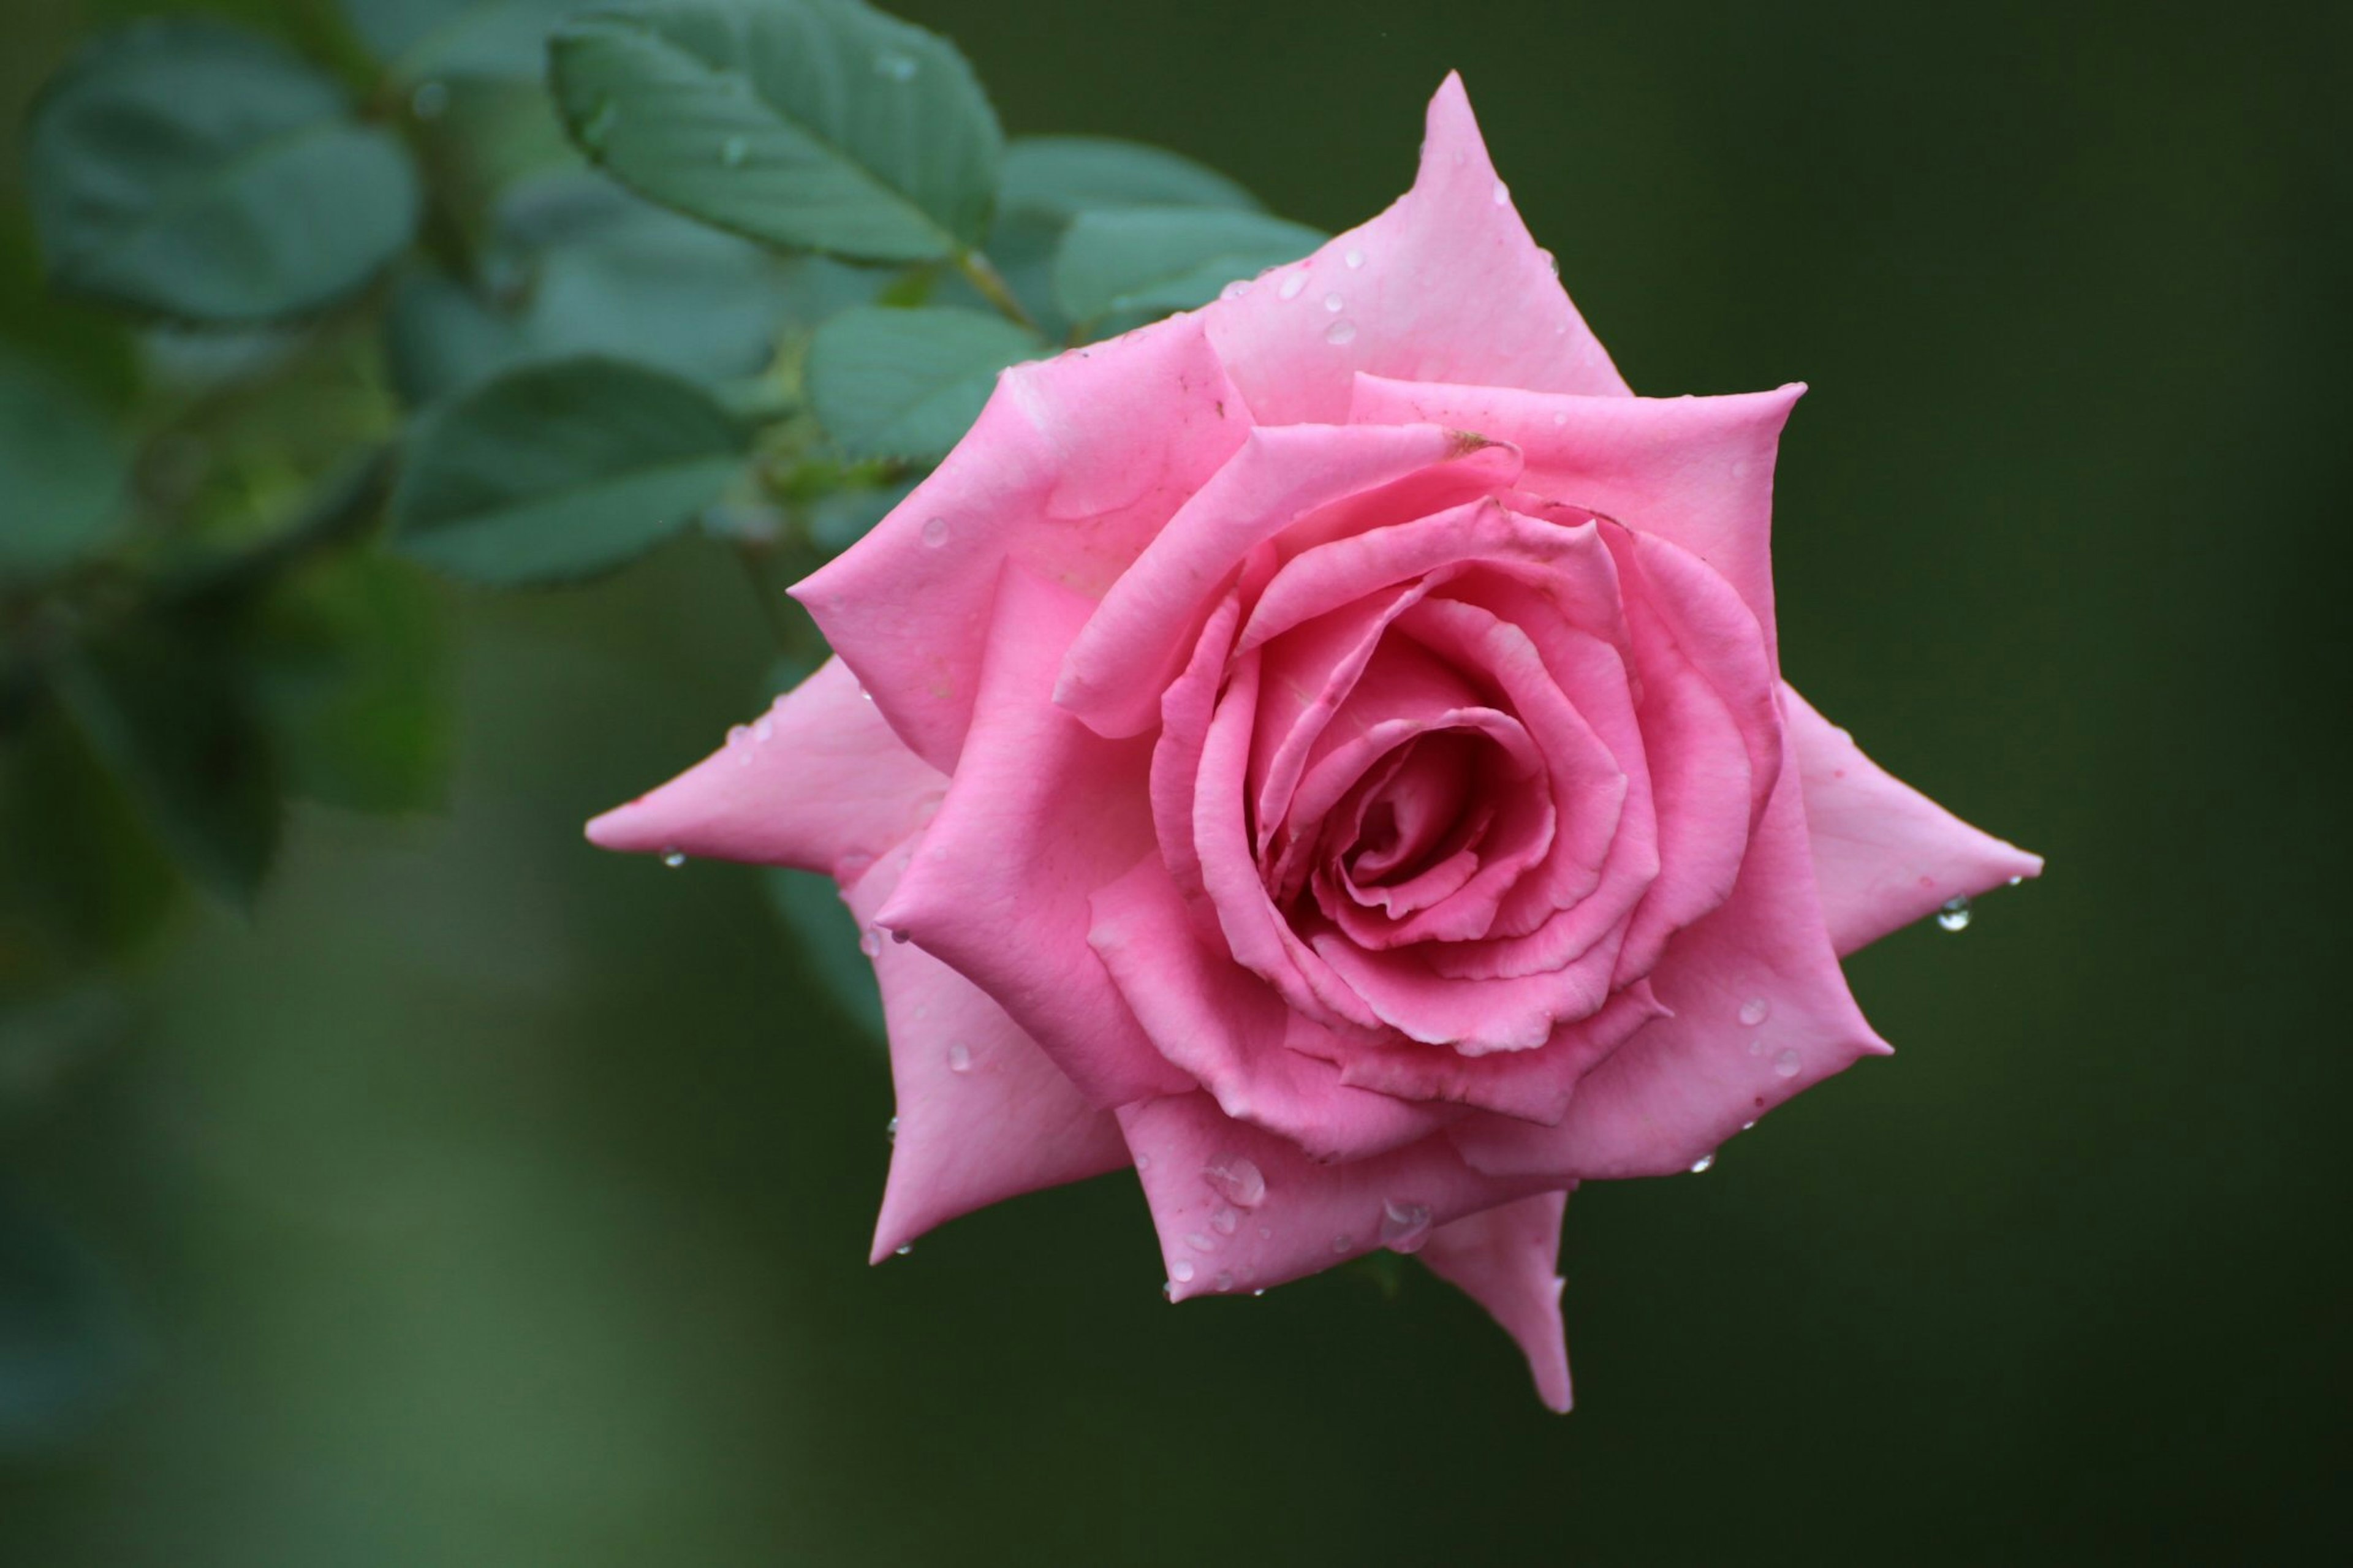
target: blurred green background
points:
(486, 1201)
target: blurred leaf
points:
(557, 470)
(44, 1041)
(813, 125)
(1151, 260)
(163, 706)
(74, 340)
(908, 384)
(82, 877)
(60, 469)
(67, 1343)
(826, 938)
(583, 267)
(183, 168)
(421, 38)
(1062, 177)
(354, 683)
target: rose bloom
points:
(1327, 753)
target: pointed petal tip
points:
(624, 829)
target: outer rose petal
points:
(1000, 888)
(1446, 285)
(1505, 1259)
(1684, 1084)
(1075, 464)
(1695, 471)
(983, 1115)
(1312, 1217)
(1884, 854)
(828, 786)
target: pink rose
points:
(1328, 752)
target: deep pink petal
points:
(1228, 1028)
(1683, 1085)
(983, 1114)
(819, 781)
(1000, 888)
(1695, 471)
(1075, 464)
(1884, 854)
(1444, 286)
(1310, 1216)
(1140, 637)
(1507, 1258)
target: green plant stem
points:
(983, 275)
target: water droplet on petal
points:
(1225, 1218)
(1266, 1233)
(1180, 1271)
(1552, 262)
(738, 737)
(1404, 1226)
(2016, 881)
(1223, 1282)
(673, 859)
(1786, 1063)
(1501, 192)
(1704, 1161)
(1954, 915)
(1333, 303)
(1755, 1011)
(1342, 1242)
(904, 1248)
(1234, 290)
(1746, 1125)
(960, 1057)
(430, 101)
(1260, 1292)
(1237, 1179)
(1199, 1243)
(870, 942)
(890, 1131)
(1757, 1047)
(1355, 258)
(893, 66)
(733, 151)
(1340, 332)
(936, 532)
(1142, 1163)
(1292, 285)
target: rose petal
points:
(1224, 1026)
(1695, 471)
(1137, 641)
(1684, 1084)
(820, 781)
(1000, 888)
(1311, 1217)
(1884, 855)
(1507, 1259)
(983, 1114)
(1075, 464)
(1446, 285)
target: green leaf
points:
(812, 124)
(583, 267)
(352, 668)
(187, 169)
(421, 38)
(825, 939)
(163, 706)
(1151, 260)
(908, 384)
(557, 470)
(60, 469)
(1062, 177)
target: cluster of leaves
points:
(505, 291)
